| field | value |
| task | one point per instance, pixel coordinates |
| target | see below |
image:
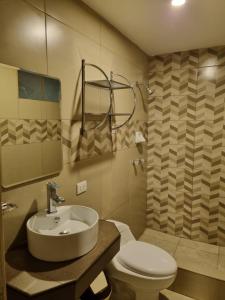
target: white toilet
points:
(140, 270)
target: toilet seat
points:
(146, 259)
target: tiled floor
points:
(100, 282)
(202, 258)
(170, 295)
(200, 265)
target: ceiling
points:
(158, 28)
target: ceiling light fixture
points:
(178, 2)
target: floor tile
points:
(170, 295)
(196, 260)
(199, 246)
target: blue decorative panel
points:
(52, 89)
(38, 87)
(30, 86)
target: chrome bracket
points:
(7, 207)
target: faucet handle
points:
(61, 199)
(53, 185)
(58, 200)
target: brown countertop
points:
(32, 277)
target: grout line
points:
(46, 37)
(32, 5)
(178, 245)
(99, 43)
(217, 265)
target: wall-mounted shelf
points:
(115, 114)
(107, 84)
(114, 85)
(91, 117)
(119, 114)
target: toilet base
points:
(121, 290)
(147, 295)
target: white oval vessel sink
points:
(70, 232)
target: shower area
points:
(186, 145)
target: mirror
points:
(30, 126)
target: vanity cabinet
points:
(30, 278)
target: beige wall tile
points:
(124, 101)
(66, 49)
(64, 63)
(107, 187)
(73, 33)
(120, 214)
(114, 183)
(76, 15)
(29, 199)
(137, 193)
(116, 42)
(9, 92)
(120, 171)
(40, 4)
(90, 170)
(50, 110)
(20, 163)
(51, 157)
(22, 43)
(29, 109)
(124, 185)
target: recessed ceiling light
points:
(178, 2)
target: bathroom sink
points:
(70, 232)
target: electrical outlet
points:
(81, 187)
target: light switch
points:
(81, 187)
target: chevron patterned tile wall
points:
(95, 142)
(98, 141)
(23, 131)
(186, 145)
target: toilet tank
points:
(125, 232)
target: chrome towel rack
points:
(111, 85)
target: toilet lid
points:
(147, 259)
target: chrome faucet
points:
(52, 198)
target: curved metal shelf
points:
(110, 85)
(130, 115)
(84, 82)
(115, 85)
